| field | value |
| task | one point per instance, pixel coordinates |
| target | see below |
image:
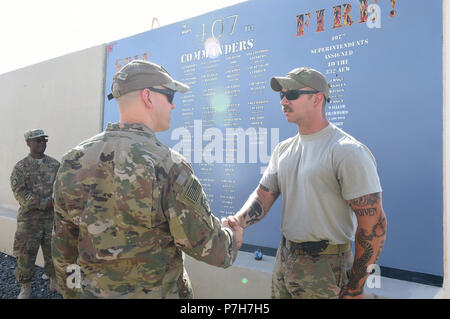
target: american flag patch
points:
(194, 190)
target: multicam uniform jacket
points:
(126, 207)
(32, 185)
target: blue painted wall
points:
(384, 61)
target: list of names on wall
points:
(338, 63)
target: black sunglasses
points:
(40, 140)
(167, 92)
(293, 95)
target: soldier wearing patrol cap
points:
(127, 207)
(32, 184)
(331, 195)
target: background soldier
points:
(127, 206)
(32, 184)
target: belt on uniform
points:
(314, 248)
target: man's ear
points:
(145, 95)
(319, 99)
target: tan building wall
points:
(62, 96)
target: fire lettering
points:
(347, 18)
(393, 12)
(337, 17)
(301, 23)
(320, 23)
(363, 7)
(369, 14)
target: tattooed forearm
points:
(254, 213)
(360, 264)
(370, 237)
(257, 206)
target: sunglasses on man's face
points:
(294, 94)
(167, 92)
(40, 140)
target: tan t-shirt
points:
(316, 174)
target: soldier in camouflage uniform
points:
(128, 207)
(32, 184)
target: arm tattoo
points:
(260, 205)
(268, 190)
(365, 238)
(367, 200)
(366, 212)
(253, 213)
(264, 188)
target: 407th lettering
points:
(218, 27)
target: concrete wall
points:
(62, 96)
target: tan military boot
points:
(25, 291)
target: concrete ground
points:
(398, 289)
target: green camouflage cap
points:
(33, 134)
(300, 78)
(139, 74)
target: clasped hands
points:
(233, 223)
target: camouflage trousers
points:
(116, 289)
(306, 277)
(28, 237)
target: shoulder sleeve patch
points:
(181, 179)
(193, 191)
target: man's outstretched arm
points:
(256, 207)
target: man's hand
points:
(233, 221)
(237, 230)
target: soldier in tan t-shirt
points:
(331, 195)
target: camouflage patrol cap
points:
(33, 134)
(300, 78)
(140, 74)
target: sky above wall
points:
(34, 31)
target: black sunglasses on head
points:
(167, 92)
(294, 94)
